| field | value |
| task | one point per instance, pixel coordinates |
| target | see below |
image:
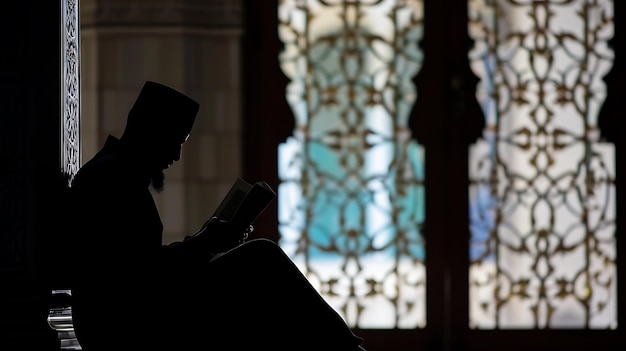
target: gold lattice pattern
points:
(351, 195)
(542, 183)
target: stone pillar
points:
(29, 164)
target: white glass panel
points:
(351, 198)
(542, 193)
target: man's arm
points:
(214, 237)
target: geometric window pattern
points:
(351, 192)
(542, 193)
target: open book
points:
(244, 202)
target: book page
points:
(231, 201)
(254, 203)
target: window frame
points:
(446, 89)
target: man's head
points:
(159, 122)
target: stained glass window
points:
(542, 194)
(351, 192)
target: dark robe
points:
(132, 292)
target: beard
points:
(157, 181)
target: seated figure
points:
(132, 292)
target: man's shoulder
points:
(101, 164)
(102, 171)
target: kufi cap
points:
(161, 109)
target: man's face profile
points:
(169, 154)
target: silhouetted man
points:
(132, 292)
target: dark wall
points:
(29, 163)
(267, 118)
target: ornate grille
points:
(351, 198)
(70, 88)
(542, 189)
(60, 318)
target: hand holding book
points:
(234, 216)
(244, 203)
